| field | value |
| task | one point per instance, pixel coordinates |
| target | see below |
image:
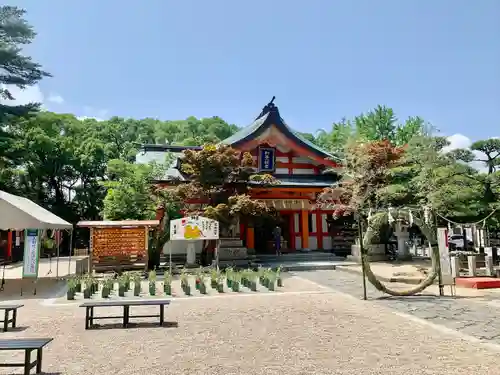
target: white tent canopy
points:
(20, 213)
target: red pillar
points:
(319, 229)
(291, 225)
(9, 244)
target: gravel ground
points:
(287, 333)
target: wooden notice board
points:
(121, 245)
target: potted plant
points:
(261, 273)
(236, 279)
(245, 278)
(152, 282)
(167, 284)
(252, 281)
(197, 280)
(202, 287)
(220, 283)
(95, 285)
(128, 278)
(78, 284)
(184, 280)
(214, 275)
(122, 286)
(137, 284)
(72, 282)
(229, 277)
(87, 286)
(105, 290)
(271, 281)
(279, 279)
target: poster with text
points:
(31, 253)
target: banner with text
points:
(194, 228)
(31, 253)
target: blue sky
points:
(323, 59)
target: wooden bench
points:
(28, 345)
(6, 320)
(89, 306)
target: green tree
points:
(129, 195)
(219, 179)
(379, 175)
(17, 69)
(20, 71)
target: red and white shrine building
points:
(302, 168)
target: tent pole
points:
(58, 235)
(170, 259)
(70, 250)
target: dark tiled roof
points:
(270, 115)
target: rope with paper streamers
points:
(483, 221)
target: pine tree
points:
(15, 70)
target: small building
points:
(302, 168)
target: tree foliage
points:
(219, 178)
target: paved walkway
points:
(477, 316)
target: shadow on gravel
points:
(17, 329)
(134, 325)
(429, 297)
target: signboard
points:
(115, 242)
(267, 159)
(194, 228)
(31, 253)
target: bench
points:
(28, 345)
(89, 306)
(6, 320)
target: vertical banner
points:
(267, 159)
(31, 253)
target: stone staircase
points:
(311, 256)
(233, 253)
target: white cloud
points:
(55, 98)
(461, 141)
(94, 113)
(31, 94)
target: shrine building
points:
(302, 169)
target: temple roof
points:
(269, 116)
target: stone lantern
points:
(403, 236)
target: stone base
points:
(377, 254)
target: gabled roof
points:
(268, 117)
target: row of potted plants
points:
(89, 285)
(234, 280)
